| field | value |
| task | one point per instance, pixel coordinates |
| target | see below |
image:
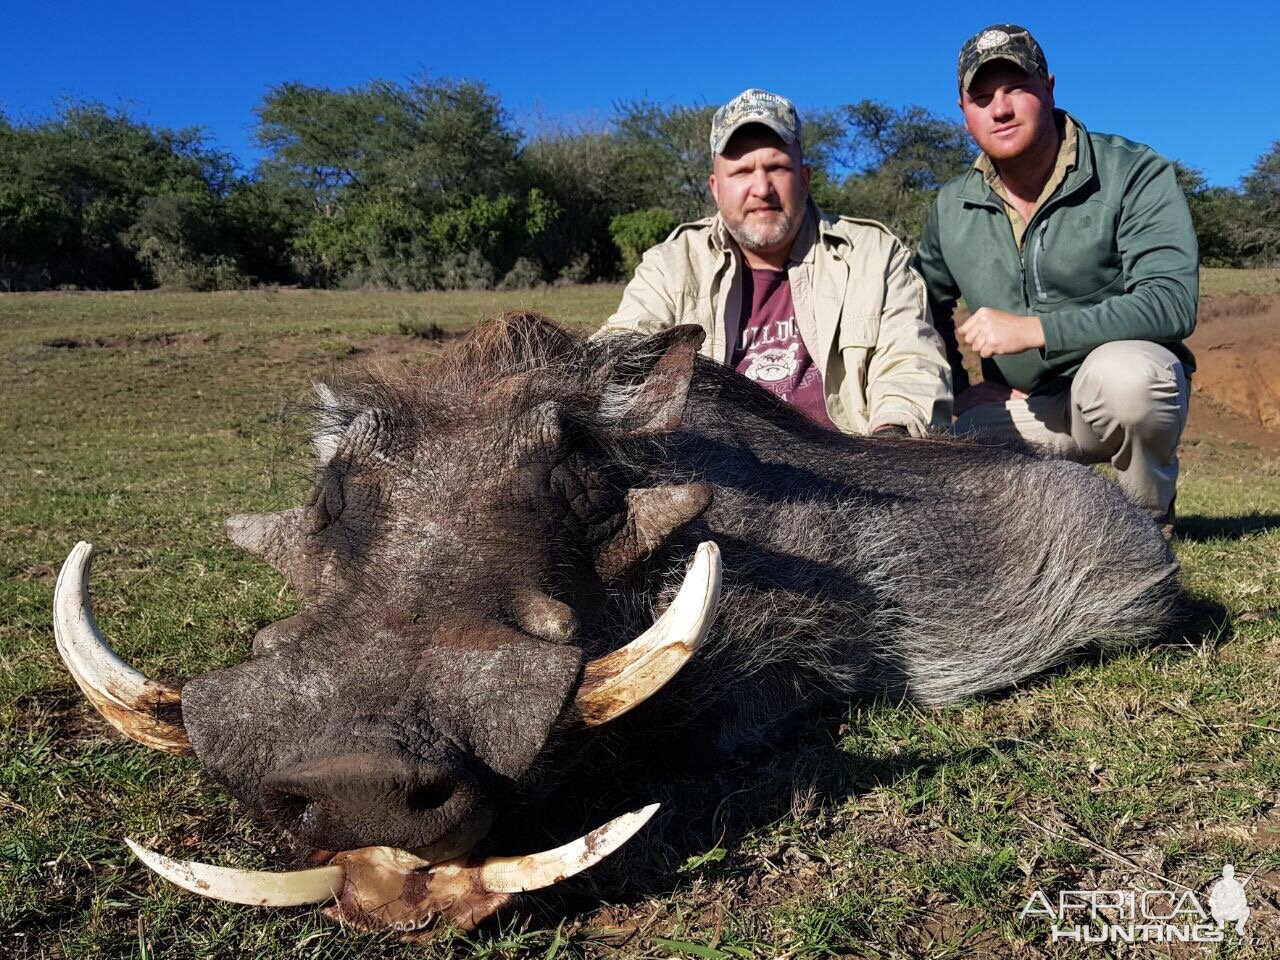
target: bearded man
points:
(825, 312)
(1076, 253)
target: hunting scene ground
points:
(140, 421)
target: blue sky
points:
(1199, 82)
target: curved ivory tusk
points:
(618, 681)
(136, 706)
(390, 878)
(538, 870)
(257, 888)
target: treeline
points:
(428, 184)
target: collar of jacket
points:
(975, 191)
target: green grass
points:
(880, 830)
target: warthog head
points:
(454, 558)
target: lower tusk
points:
(253, 887)
(617, 682)
(139, 708)
(538, 870)
(389, 886)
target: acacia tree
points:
(583, 171)
(897, 160)
(425, 141)
(666, 156)
(1262, 194)
(407, 180)
(1219, 215)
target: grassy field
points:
(140, 421)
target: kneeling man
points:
(1075, 252)
(826, 312)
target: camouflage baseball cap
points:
(1001, 41)
(755, 106)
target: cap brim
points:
(788, 136)
(1023, 63)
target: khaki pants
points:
(1127, 406)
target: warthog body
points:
(449, 506)
(477, 533)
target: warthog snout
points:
(344, 800)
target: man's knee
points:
(1132, 384)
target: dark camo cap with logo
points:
(1001, 41)
(755, 106)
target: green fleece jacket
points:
(1111, 255)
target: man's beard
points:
(760, 236)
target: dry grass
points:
(1223, 281)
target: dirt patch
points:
(1212, 421)
(1238, 356)
(361, 350)
(390, 356)
(153, 341)
(400, 345)
(1262, 835)
(288, 349)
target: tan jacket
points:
(860, 307)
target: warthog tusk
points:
(141, 709)
(615, 683)
(386, 887)
(257, 888)
(538, 870)
(394, 886)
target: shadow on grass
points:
(1198, 622)
(733, 823)
(1199, 528)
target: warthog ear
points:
(653, 515)
(334, 414)
(646, 386)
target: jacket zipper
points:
(996, 203)
(1036, 250)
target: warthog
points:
(483, 543)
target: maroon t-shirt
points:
(769, 348)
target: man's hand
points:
(992, 332)
(985, 393)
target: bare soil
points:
(1238, 369)
(153, 341)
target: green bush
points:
(75, 190)
(578, 270)
(467, 271)
(378, 242)
(523, 275)
(178, 238)
(636, 232)
(412, 323)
